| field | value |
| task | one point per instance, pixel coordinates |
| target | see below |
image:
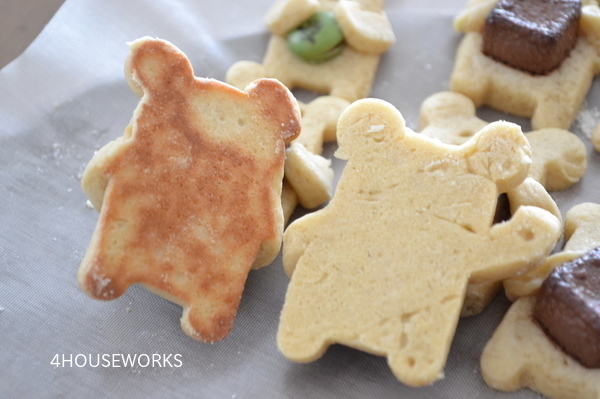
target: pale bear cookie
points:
(360, 31)
(309, 175)
(189, 197)
(582, 234)
(496, 75)
(559, 156)
(410, 215)
(521, 355)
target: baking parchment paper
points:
(65, 97)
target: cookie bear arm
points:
(297, 237)
(278, 104)
(530, 234)
(532, 193)
(279, 107)
(450, 117)
(94, 178)
(467, 77)
(319, 121)
(439, 108)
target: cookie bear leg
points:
(414, 370)
(242, 73)
(297, 238)
(208, 322)
(424, 340)
(298, 343)
(551, 112)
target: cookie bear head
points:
(155, 65)
(158, 69)
(366, 124)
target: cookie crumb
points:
(376, 128)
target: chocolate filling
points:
(568, 308)
(535, 36)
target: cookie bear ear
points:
(367, 123)
(442, 107)
(278, 104)
(154, 64)
(501, 153)
(365, 25)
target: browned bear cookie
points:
(189, 197)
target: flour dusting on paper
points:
(587, 120)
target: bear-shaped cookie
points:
(189, 197)
(550, 100)
(367, 34)
(521, 355)
(384, 266)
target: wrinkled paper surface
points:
(65, 97)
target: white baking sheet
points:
(64, 98)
